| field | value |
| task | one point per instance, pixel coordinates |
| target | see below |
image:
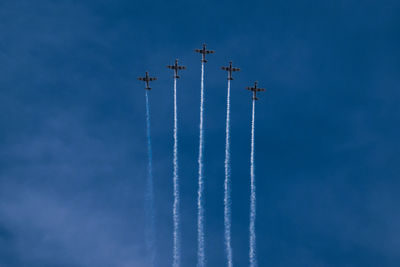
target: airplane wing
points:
(209, 52)
(224, 68)
(152, 79)
(181, 67)
(260, 89)
(235, 69)
(250, 88)
(197, 50)
(170, 67)
(141, 79)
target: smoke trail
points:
(252, 254)
(149, 200)
(176, 252)
(227, 189)
(200, 200)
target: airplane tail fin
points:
(255, 98)
(230, 78)
(177, 76)
(147, 88)
(204, 61)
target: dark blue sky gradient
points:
(73, 148)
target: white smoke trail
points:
(227, 189)
(176, 217)
(149, 200)
(200, 200)
(252, 253)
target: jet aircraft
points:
(203, 52)
(176, 67)
(147, 79)
(230, 69)
(255, 89)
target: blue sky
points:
(73, 153)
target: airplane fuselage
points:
(230, 71)
(175, 68)
(147, 79)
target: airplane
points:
(147, 79)
(255, 89)
(203, 51)
(230, 69)
(175, 67)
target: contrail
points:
(149, 201)
(227, 189)
(200, 200)
(252, 254)
(176, 217)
